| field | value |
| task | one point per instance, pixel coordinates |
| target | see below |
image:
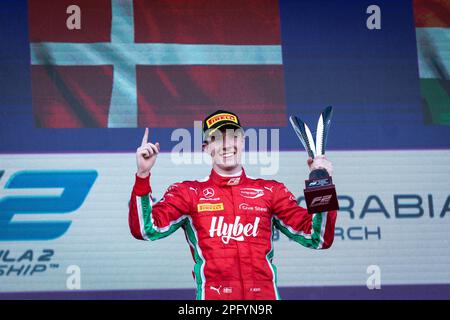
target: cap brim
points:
(211, 131)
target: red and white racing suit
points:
(228, 223)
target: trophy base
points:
(320, 194)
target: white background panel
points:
(410, 251)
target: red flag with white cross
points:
(155, 63)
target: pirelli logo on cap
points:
(221, 117)
(209, 207)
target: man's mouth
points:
(228, 154)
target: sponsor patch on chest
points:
(248, 207)
(251, 193)
(201, 207)
(233, 231)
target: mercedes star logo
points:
(208, 192)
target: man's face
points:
(225, 148)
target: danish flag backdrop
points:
(156, 63)
(164, 64)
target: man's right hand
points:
(146, 156)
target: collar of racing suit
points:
(227, 181)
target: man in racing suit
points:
(228, 218)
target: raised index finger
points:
(145, 137)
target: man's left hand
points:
(320, 162)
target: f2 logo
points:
(317, 201)
(75, 185)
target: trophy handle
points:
(304, 134)
(323, 127)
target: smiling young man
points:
(229, 217)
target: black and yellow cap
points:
(219, 119)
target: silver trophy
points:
(306, 137)
(320, 192)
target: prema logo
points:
(251, 193)
(321, 200)
(235, 230)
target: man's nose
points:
(228, 141)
